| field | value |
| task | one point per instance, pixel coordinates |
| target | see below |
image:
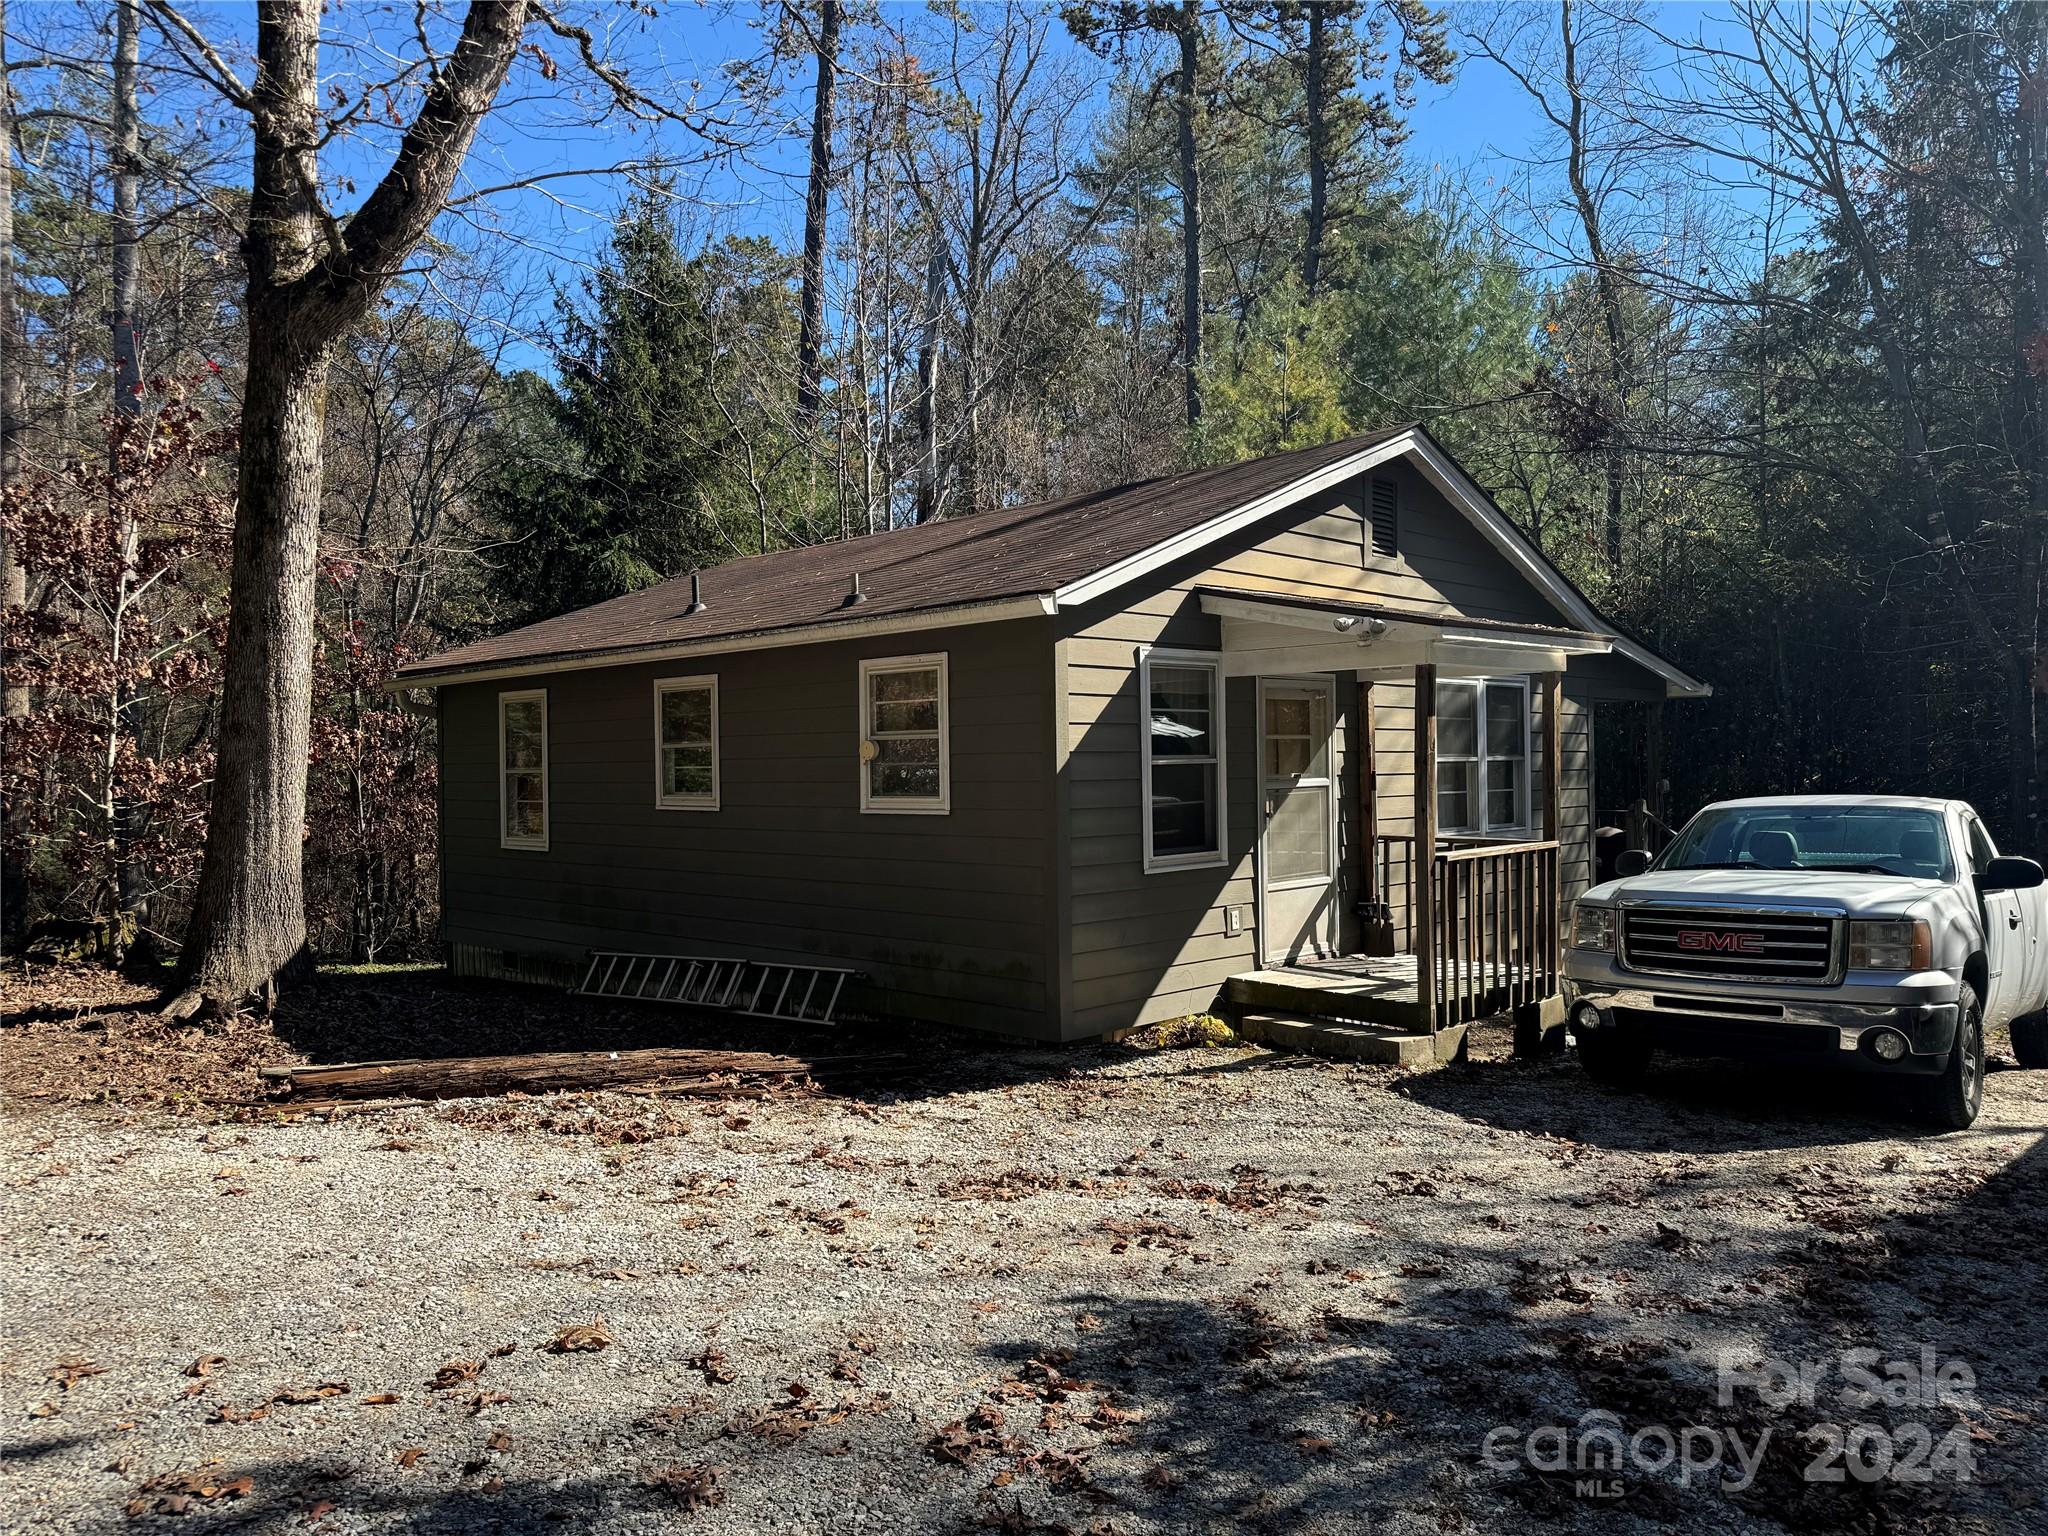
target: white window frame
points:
(1521, 826)
(707, 683)
(1159, 864)
(505, 838)
(872, 804)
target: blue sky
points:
(1479, 127)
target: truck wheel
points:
(1952, 1098)
(1613, 1058)
(2030, 1039)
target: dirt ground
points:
(1008, 1289)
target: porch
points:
(1434, 941)
(1483, 938)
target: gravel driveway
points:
(1086, 1291)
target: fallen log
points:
(459, 1077)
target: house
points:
(1063, 769)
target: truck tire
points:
(1951, 1099)
(1612, 1058)
(2030, 1039)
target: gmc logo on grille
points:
(1726, 943)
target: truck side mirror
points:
(2010, 874)
(1630, 861)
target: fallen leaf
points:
(409, 1456)
(580, 1338)
(453, 1374)
(692, 1487)
(499, 1441)
(206, 1365)
(326, 1389)
(382, 1399)
(73, 1369)
(713, 1365)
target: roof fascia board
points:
(1036, 606)
(1464, 493)
(1304, 613)
(1457, 487)
(1190, 541)
(1562, 645)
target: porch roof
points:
(1269, 632)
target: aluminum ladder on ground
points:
(792, 994)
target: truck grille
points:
(1774, 946)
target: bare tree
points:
(1579, 66)
(1184, 24)
(811, 321)
(309, 276)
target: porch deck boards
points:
(1379, 989)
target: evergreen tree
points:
(608, 477)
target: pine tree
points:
(609, 476)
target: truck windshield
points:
(1850, 839)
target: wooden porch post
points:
(1552, 686)
(1539, 1024)
(1424, 914)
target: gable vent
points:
(1383, 517)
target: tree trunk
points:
(811, 323)
(928, 384)
(1607, 289)
(248, 918)
(2028, 677)
(248, 926)
(1318, 153)
(126, 155)
(1188, 29)
(131, 879)
(13, 579)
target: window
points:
(1482, 756)
(686, 743)
(1182, 759)
(523, 770)
(906, 763)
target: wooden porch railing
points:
(1394, 876)
(1495, 921)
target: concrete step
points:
(1390, 1001)
(1352, 1040)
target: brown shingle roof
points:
(1014, 552)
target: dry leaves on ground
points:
(691, 1487)
(581, 1338)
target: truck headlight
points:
(1592, 927)
(1906, 945)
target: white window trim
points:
(707, 683)
(897, 805)
(1156, 864)
(1523, 825)
(505, 838)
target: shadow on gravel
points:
(1381, 1405)
(426, 1014)
(1682, 1106)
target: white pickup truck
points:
(1873, 932)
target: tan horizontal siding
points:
(1145, 947)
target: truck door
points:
(2007, 932)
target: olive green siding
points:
(1146, 947)
(950, 914)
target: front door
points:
(1298, 823)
